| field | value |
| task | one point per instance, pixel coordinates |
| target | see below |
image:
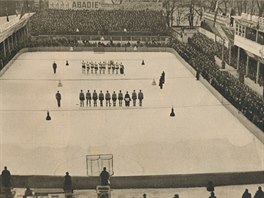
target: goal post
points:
(96, 163)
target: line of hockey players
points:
(101, 67)
(110, 99)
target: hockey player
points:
(58, 98)
(81, 98)
(88, 98)
(100, 67)
(114, 98)
(95, 98)
(109, 68)
(134, 97)
(117, 68)
(127, 99)
(113, 68)
(87, 67)
(92, 67)
(140, 97)
(104, 67)
(101, 98)
(108, 98)
(95, 68)
(122, 69)
(120, 98)
(83, 67)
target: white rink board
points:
(204, 136)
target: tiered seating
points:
(239, 94)
(65, 22)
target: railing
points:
(14, 22)
(105, 38)
(154, 181)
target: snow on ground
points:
(221, 192)
(203, 137)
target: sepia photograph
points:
(132, 98)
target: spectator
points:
(259, 193)
(6, 178)
(94, 21)
(212, 195)
(28, 193)
(67, 183)
(104, 176)
(238, 94)
(246, 194)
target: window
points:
(251, 34)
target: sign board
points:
(104, 4)
(75, 4)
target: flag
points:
(216, 6)
(7, 17)
(24, 9)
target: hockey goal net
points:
(96, 163)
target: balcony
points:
(250, 46)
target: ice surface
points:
(202, 137)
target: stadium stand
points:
(63, 22)
(240, 95)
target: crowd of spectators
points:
(72, 22)
(240, 95)
(211, 49)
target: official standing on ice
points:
(54, 67)
(163, 77)
(58, 98)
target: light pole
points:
(223, 56)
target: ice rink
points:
(203, 137)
